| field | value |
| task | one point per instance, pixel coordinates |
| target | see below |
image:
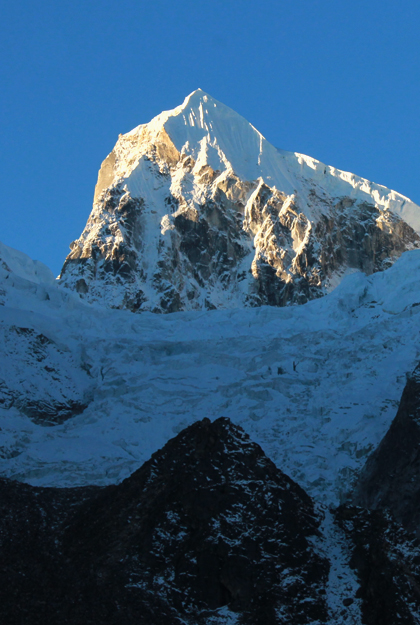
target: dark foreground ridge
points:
(207, 522)
(387, 561)
(208, 531)
(385, 525)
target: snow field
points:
(316, 385)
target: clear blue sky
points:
(336, 79)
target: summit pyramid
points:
(197, 210)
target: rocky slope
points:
(196, 210)
(207, 531)
(390, 478)
(385, 527)
(40, 376)
(387, 561)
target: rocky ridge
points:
(386, 558)
(207, 531)
(196, 210)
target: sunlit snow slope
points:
(316, 385)
(196, 210)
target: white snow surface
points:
(213, 134)
(317, 385)
(21, 265)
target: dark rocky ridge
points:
(390, 478)
(34, 581)
(206, 528)
(387, 561)
(385, 527)
(208, 522)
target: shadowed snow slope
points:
(18, 263)
(197, 210)
(316, 385)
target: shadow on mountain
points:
(207, 525)
(208, 531)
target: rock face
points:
(207, 528)
(387, 561)
(32, 576)
(385, 528)
(390, 478)
(197, 210)
(55, 392)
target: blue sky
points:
(337, 80)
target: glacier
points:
(316, 385)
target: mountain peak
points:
(199, 94)
(212, 133)
(195, 522)
(196, 209)
(191, 104)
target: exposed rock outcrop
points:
(385, 527)
(208, 522)
(58, 387)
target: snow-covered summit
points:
(214, 134)
(196, 209)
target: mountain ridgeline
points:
(196, 210)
